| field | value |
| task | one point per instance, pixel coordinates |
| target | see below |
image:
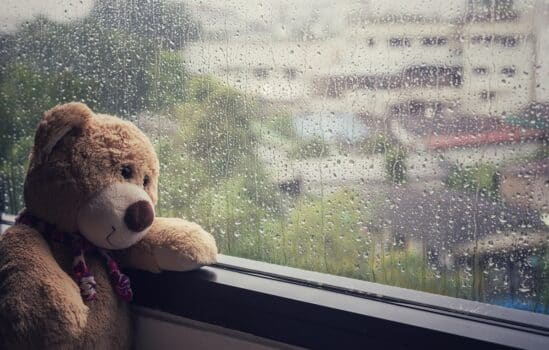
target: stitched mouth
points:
(110, 234)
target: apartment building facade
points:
(482, 63)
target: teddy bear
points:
(89, 195)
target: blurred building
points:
(526, 185)
(541, 18)
(499, 57)
(392, 61)
(484, 62)
(456, 223)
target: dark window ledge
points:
(316, 310)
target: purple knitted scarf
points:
(80, 246)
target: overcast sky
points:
(16, 11)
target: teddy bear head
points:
(94, 174)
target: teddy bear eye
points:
(146, 181)
(126, 172)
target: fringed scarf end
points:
(81, 273)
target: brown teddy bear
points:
(89, 193)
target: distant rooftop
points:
(448, 217)
(538, 167)
(461, 131)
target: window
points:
(432, 76)
(261, 73)
(491, 11)
(509, 72)
(285, 134)
(434, 41)
(487, 95)
(482, 39)
(488, 39)
(507, 41)
(399, 42)
(290, 73)
(480, 70)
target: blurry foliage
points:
(114, 63)
(216, 127)
(166, 78)
(394, 154)
(481, 177)
(181, 178)
(395, 163)
(12, 174)
(325, 234)
(231, 212)
(110, 67)
(313, 148)
(210, 173)
(24, 95)
(377, 144)
(330, 235)
(282, 125)
(20, 84)
(543, 151)
(543, 287)
(165, 22)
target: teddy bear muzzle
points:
(116, 217)
(139, 216)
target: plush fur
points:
(77, 154)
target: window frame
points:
(317, 310)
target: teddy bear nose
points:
(139, 216)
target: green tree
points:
(480, 177)
(325, 234)
(230, 212)
(181, 179)
(112, 63)
(24, 95)
(12, 174)
(395, 164)
(314, 148)
(114, 69)
(166, 23)
(216, 127)
(166, 80)
(120, 59)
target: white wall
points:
(159, 330)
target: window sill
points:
(316, 310)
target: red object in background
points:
(504, 134)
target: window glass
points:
(509, 72)
(431, 41)
(379, 140)
(397, 42)
(480, 70)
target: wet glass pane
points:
(399, 142)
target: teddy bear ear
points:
(55, 124)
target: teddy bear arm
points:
(40, 305)
(172, 244)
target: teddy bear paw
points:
(201, 251)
